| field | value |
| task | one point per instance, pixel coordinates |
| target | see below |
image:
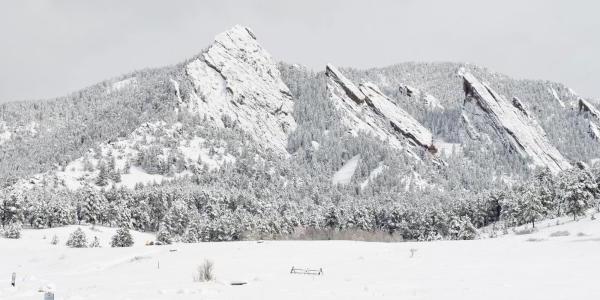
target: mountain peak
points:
(237, 83)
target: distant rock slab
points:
(366, 108)
(512, 122)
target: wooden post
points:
(13, 281)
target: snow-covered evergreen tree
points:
(77, 239)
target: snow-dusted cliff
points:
(366, 108)
(514, 125)
(236, 83)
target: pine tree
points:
(77, 239)
(122, 238)
(103, 174)
(13, 231)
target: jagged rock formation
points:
(366, 108)
(236, 83)
(594, 113)
(516, 102)
(554, 94)
(587, 107)
(428, 99)
(514, 125)
(400, 120)
(594, 131)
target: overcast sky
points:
(50, 48)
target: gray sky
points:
(50, 48)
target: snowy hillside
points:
(556, 262)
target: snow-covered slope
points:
(168, 145)
(236, 83)
(345, 173)
(517, 128)
(366, 108)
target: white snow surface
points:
(344, 175)
(533, 266)
(524, 135)
(239, 79)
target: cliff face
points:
(236, 83)
(514, 124)
(366, 108)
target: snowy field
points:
(530, 266)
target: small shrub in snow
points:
(54, 240)
(525, 231)
(581, 234)
(560, 233)
(13, 231)
(77, 239)
(95, 243)
(534, 240)
(412, 252)
(122, 238)
(205, 272)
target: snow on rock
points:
(400, 120)
(373, 175)
(5, 133)
(428, 99)
(522, 134)
(594, 131)
(177, 90)
(315, 145)
(237, 81)
(366, 108)
(121, 84)
(344, 175)
(587, 107)
(471, 130)
(554, 94)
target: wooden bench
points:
(295, 270)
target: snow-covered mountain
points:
(261, 146)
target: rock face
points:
(236, 83)
(514, 124)
(594, 131)
(366, 108)
(428, 99)
(587, 107)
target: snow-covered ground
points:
(530, 266)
